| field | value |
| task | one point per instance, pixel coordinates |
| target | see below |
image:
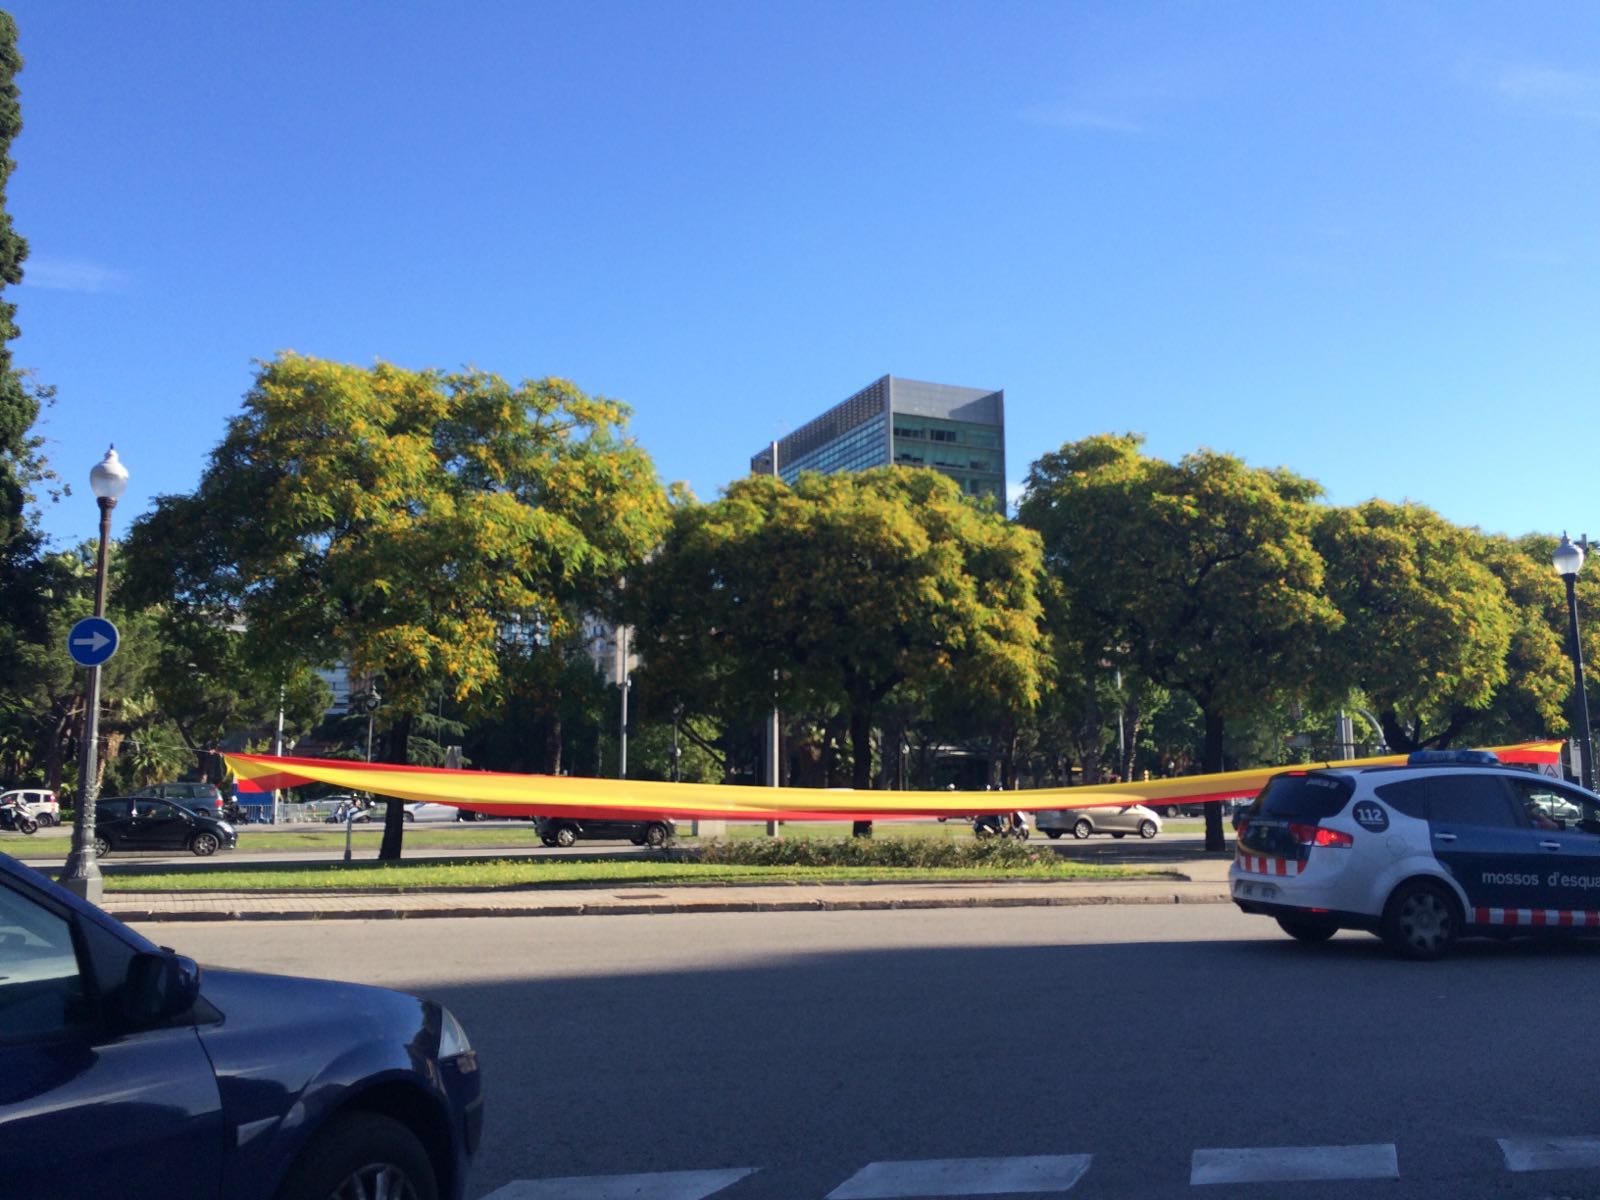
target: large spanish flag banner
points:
(561, 795)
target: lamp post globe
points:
(1568, 561)
(108, 477)
(81, 875)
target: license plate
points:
(1256, 891)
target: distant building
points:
(959, 431)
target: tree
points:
(402, 522)
(23, 615)
(837, 591)
(1427, 625)
(1201, 573)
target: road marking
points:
(1290, 1164)
(656, 1185)
(1550, 1154)
(963, 1177)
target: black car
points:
(564, 831)
(125, 1070)
(143, 823)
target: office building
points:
(959, 431)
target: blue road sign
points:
(92, 641)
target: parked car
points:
(145, 823)
(197, 797)
(1081, 822)
(39, 803)
(564, 831)
(130, 1071)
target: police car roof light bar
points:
(1435, 758)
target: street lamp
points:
(81, 875)
(1568, 560)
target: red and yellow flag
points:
(510, 795)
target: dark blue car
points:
(127, 1071)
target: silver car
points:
(1081, 822)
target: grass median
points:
(732, 862)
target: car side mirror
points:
(160, 986)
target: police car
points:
(1452, 844)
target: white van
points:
(38, 803)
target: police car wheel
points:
(1306, 931)
(1421, 921)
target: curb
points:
(667, 907)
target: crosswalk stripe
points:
(963, 1177)
(1290, 1164)
(1550, 1153)
(655, 1185)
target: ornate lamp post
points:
(81, 875)
(1568, 560)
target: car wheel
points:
(566, 836)
(548, 841)
(1306, 931)
(1421, 920)
(405, 816)
(203, 845)
(655, 836)
(362, 1155)
(102, 845)
(1082, 829)
(1147, 829)
(1052, 834)
(1123, 834)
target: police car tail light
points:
(1316, 835)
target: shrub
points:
(869, 852)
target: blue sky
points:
(1359, 240)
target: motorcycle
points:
(1014, 825)
(17, 821)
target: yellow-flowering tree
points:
(835, 592)
(405, 522)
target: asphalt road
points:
(810, 1045)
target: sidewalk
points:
(1197, 881)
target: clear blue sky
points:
(1359, 240)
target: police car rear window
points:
(1307, 796)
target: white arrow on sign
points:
(94, 641)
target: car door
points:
(160, 825)
(85, 1111)
(1568, 825)
(113, 820)
(1478, 833)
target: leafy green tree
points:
(1427, 624)
(837, 591)
(23, 611)
(1202, 573)
(402, 521)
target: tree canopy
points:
(402, 522)
(837, 591)
(1200, 574)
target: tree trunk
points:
(395, 746)
(1212, 766)
(552, 745)
(861, 752)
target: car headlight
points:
(453, 1041)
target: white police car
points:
(1453, 844)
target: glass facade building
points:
(958, 431)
